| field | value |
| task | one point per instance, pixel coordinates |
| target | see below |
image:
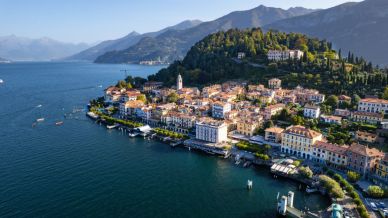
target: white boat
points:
(112, 126)
(59, 123)
(38, 106)
(133, 134)
(40, 119)
(1, 81)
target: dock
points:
(285, 207)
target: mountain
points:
(359, 27)
(174, 44)
(26, 49)
(92, 53)
(3, 60)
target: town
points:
(300, 133)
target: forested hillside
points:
(213, 60)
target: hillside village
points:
(259, 122)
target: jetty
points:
(285, 207)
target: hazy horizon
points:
(94, 21)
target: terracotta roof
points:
(369, 114)
(274, 129)
(331, 147)
(134, 104)
(374, 100)
(365, 151)
(301, 130)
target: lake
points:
(81, 169)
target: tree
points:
(306, 172)
(172, 98)
(375, 191)
(142, 98)
(121, 84)
(332, 100)
(353, 176)
(385, 93)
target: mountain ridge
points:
(174, 44)
(22, 48)
(132, 38)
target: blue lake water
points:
(81, 169)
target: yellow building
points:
(274, 134)
(382, 169)
(247, 126)
(366, 137)
(298, 141)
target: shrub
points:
(375, 191)
(296, 163)
(306, 172)
(353, 176)
(331, 186)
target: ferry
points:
(40, 120)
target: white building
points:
(278, 55)
(211, 130)
(373, 105)
(240, 55)
(179, 83)
(219, 109)
(331, 119)
(274, 83)
(311, 111)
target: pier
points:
(285, 207)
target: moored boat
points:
(40, 119)
(59, 123)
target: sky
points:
(92, 21)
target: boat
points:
(112, 126)
(1, 81)
(59, 123)
(40, 119)
(133, 134)
(38, 106)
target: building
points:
(331, 154)
(366, 137)
(278, 55)
(363, 159)
(219, 109)
(367, 117)
(240, 55)
(274, 83)
(179, 82)
(298, 141)
(129, 108)
(272, 110)
(247, 126)
(273, 134)
(311, 111)
(382, 169)
(373, 105)
(331, 119)
(344, 98)
(151, 85)
(211, 130)
(342, 112)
